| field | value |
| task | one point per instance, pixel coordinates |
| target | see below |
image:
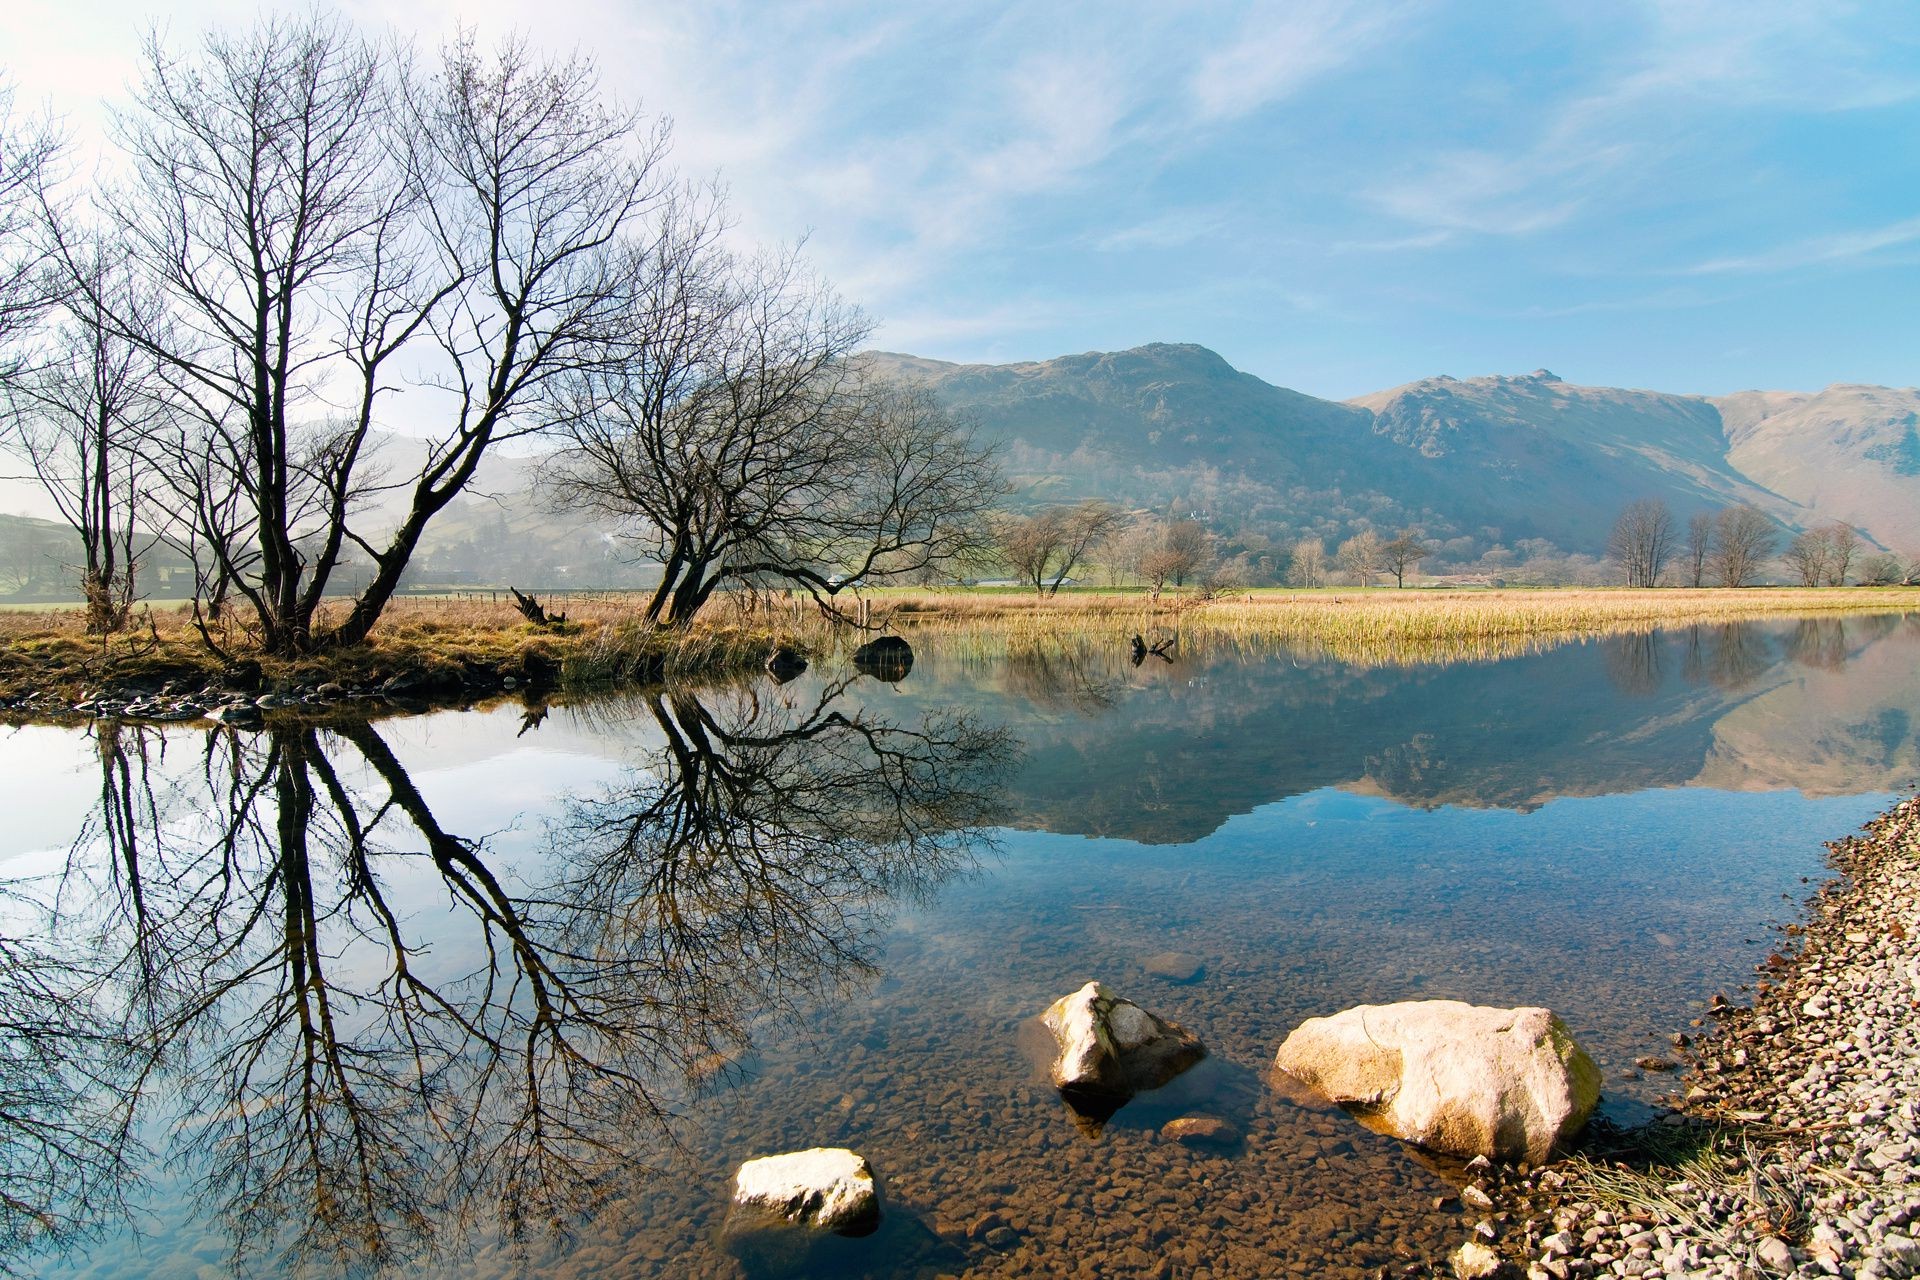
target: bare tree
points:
(741, 446)
(1699, 547)
(1402, 554)
(1187, 548)
(1361, 556)
(1883, 569)
(78, 416)
(1806, 557)
(1043, 549)
(1843, 544)
(327, 226)
(29, 150)
(1307, 563)
(1642, 541)
(1743, 539)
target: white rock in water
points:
(1111, 1046)
(1455, 1077)
(822, 1189)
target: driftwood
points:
(532, 610)
(1163, 650)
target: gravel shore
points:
(1795, 1146)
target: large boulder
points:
(786, 1204)
(1504, 1083)
(1109, 1048)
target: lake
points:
(511, 990)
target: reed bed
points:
(1367, 628)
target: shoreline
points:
(1794, 1145)
(440, 652)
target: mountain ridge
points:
(1518, 454)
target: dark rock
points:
(889, 658)
(784, 664)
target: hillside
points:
(1530, 456)
(1849, 452)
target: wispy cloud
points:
(1822, 250)
(1280, 49)
(1166, 231)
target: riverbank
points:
(1794, 1143)
(427, 651)
(441, 650)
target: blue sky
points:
(1337, 197)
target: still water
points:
(511, 990)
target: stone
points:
(1175, 966)
(1200, 1131)
(889, 658)
(1458, 1078)
(1110, 1048)
(1474, 1261)
(823, 1189)
(785, 663)
(1774, 1253)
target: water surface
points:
(511, 990)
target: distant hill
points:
(1850, 453)
(1526, 456)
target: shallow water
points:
(645, 939)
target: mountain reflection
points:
(366, 1033)
(1166, 754)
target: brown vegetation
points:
(49, 650)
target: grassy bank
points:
(434, 645)
(448, 644)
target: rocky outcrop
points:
(1110, 1048)
(783, 1205)
(1454, 1077)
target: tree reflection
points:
(375, 1031)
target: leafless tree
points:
(1807, 555)
(1882, 569)
(1044, 548)
(1361, 556)
(739, 444)
(1188, 549)
(1402, 553)
(327, 226)
(1307, 563)
(29, 151)
(78, 416)
(1641, 542)
(1843, 545)
(1743, 539)
(1698, 550)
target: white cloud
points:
(1820, 250)
(1279, 49)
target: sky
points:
(1338, 197)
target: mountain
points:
(1503, 457)
(1850, 452)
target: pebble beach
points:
(1791, 1147)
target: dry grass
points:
(1375, 627)
(47, 650)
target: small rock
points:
(1200, 1131)
(1474, 1261)
(1775, 1253)
(1175, 966)
(821, 1189)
